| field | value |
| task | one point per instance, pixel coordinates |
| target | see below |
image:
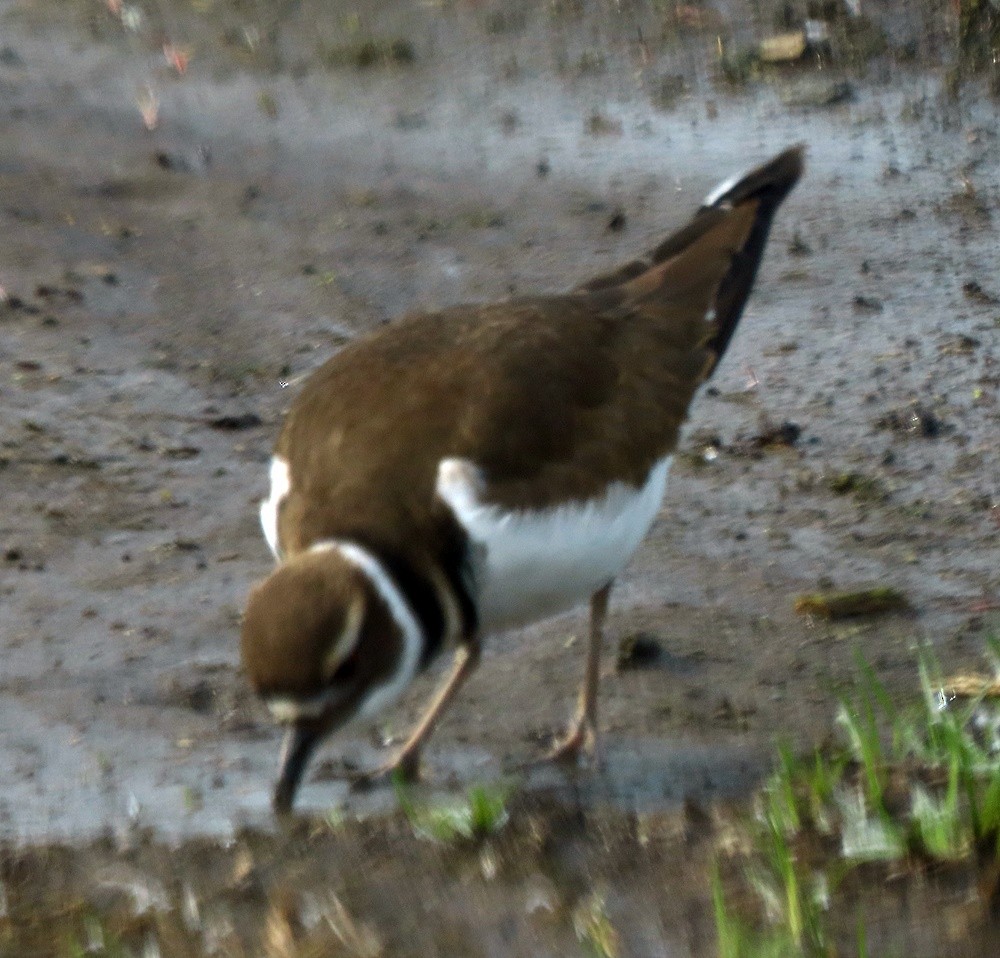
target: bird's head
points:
(327, 637)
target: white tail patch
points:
(721, 190)
(281, 485)
(529, 564)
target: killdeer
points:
(464, 471)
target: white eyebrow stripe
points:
(390, 593)
(345, 643)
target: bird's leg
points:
(582, 735)
(407, 760)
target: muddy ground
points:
(318, 169)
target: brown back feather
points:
(553, 397)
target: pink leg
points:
(407, 759)
(582, 736)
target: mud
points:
(165, 290)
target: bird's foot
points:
(406, 765)
(581, 743)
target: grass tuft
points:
(920, 785)
(594, 929)
(481, 812)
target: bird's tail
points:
(719, 249)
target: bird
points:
(460, 472)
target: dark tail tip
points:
(770, 183)
(767, 186)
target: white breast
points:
(532, 564)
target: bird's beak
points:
(300, 741)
